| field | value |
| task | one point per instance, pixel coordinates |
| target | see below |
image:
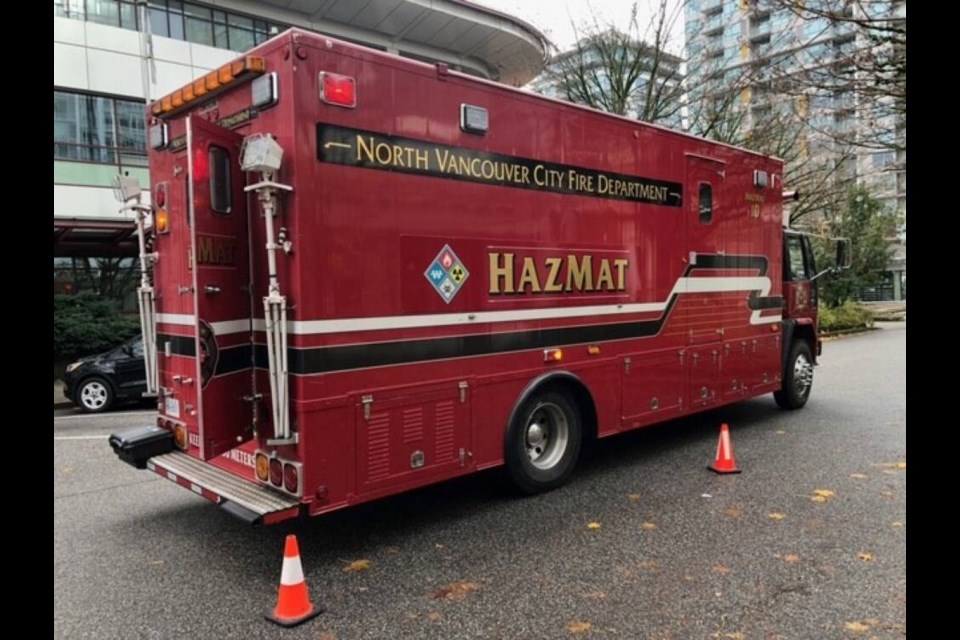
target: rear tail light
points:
(276, 472)
(291, 477)
(160, 195)
(338, 90)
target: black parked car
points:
(97, 383)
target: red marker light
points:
(201, 167)
(338, 90)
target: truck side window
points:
(795, 259)
(220, 183)
(706, 203)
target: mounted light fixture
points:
(260, 152)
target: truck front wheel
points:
(543, 442)
(797, 377)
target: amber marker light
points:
(163, 221)
(552, 355)
(180, 436)
(219, 79)
(262, 465)
(593, 349)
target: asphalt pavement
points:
(808, 542)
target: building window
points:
(89, 128)
(883, 159)
(187, 21)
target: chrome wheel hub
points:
(802, 375)
(547, 435)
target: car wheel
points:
(797, 378)
(543, 442)
(95, 395)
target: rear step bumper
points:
(251, 502)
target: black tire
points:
(797, 377)
(543, 442)
(95, 395)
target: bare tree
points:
(727, 95)
(866, 75)
(626, 71)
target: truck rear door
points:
(221, 287)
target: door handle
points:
(211, 289)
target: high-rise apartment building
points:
(757, 57)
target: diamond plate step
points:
(250, 495)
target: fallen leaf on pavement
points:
(818, 498)
(648, 526)
(780, 432)
(897, 524)
(358, 565)
(733, 512)
(433, 616)
(596, 595)
(455, 592)
(865, 557)
(856, 627)
(633, 497)
(826, 493)
(776, 515)
(791, 558)
(721, 569)
(578, 626)
(858, 476)
(594, 525)
(900, 464)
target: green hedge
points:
(849, 315)
(84, 324)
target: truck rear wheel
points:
(797, 377)
(543, 442)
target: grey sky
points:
(555, 18)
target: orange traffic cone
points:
(724, 462)
(293, 603)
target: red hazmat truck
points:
(366, 274)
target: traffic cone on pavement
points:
(293, 603)
(724, 462)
